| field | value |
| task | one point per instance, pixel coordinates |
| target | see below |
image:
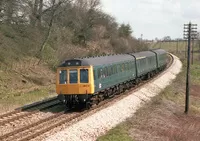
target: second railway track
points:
(38, 105)
(20, 115)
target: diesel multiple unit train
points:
(89, 80)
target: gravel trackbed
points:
(97, 124)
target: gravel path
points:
(97, 124)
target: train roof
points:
(143, 54)
(159, 51)
(96, 61)
(105, 60)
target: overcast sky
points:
(154, 18)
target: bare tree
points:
(2, 2)
(9, 10)
(94, 4)
(40, 13)
(55, 7)
(33, 16)
(63, 22)
(85, 15)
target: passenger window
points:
(99, 73)
(109, 71)
(106, 71)
(112, 70)
(83, 75)
(73, 74)
(122, 67)
(130, 65)
(94, 73)
(127, 67)
(116, 69)
(63, 77)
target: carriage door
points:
(100, 79)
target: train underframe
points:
(87, 100)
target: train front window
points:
(63, 77)
(73, 74)
(83, 75)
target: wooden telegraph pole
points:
(189, 33)
(192, 51)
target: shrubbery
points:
(54, 30)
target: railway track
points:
(27, 111)
(170, 61)
(28, 107)
(36, 129)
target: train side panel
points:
(110, 75)
(161, 57)
(146, 62)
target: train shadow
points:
(53, 109)
(50, 105)
(62, 108)
(47, 107)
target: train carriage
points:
(113, 70)
(146, 62)
(85, 80)
(80, 79)
(161, 57)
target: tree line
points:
(75, 22)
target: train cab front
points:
(74, 83)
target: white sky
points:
(154, 18)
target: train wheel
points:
(136, 81)
(148, 76)
(69, 105)
(69, 102)
(88, 105)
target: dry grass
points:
(163, 119)
(25, 82)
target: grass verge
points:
(117, 134)
(14, 100)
